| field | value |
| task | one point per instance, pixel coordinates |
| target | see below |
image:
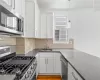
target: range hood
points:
(10, 12)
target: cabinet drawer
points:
(46, 54)
(72, 74)
(57, 55)
(76, 76)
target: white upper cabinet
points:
(32, 19)
(43, 26)
(9, 2)
(46, 25)
(23, 8)
(18, 6)
(29, 28)
(37, 20)
(49, 25)
(80, 4)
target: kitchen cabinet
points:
(9, 2)
(43, 26)
(57, 63)
(42, 65)
(72, 74)
(49, 25)
(29, 29)
(49, 63)
(37, 20)
(46, 25)
(18, 6)
(46, 63)
(32, 19)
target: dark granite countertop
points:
(87, 65)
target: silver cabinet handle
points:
(47, 60)
(74, 76)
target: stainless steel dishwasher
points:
(64, 70)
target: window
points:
(60, 29)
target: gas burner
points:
(16, 67)
(12, 68)
(22, 58)
(2, 71)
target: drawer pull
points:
(74, 76)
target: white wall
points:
(86, 30)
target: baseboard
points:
(49, 74)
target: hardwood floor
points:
(48, 77)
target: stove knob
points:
(29, 72)
(32, 67)
(18, 73)
(26, 76)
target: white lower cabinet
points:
(49, 63)
(46, 65)
(72, 74)
(42, 65)
(57, 63)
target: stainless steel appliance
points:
(14, 67)
(64, 67)
(10, 22)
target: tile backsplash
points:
(29, 44)
(42, 43)
(24, 45)
(7, 41)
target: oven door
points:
(33, 75)
(64, 65)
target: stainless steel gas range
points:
(14, 67)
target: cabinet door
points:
(57, 63)
(43, 25)
(9, 2)
(29, 30)
(50, 65)
(37, 20)
(18, 6)
(23, 9)
(49, 25)
(42, 65)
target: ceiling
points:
(55, 4)
(64, 4)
